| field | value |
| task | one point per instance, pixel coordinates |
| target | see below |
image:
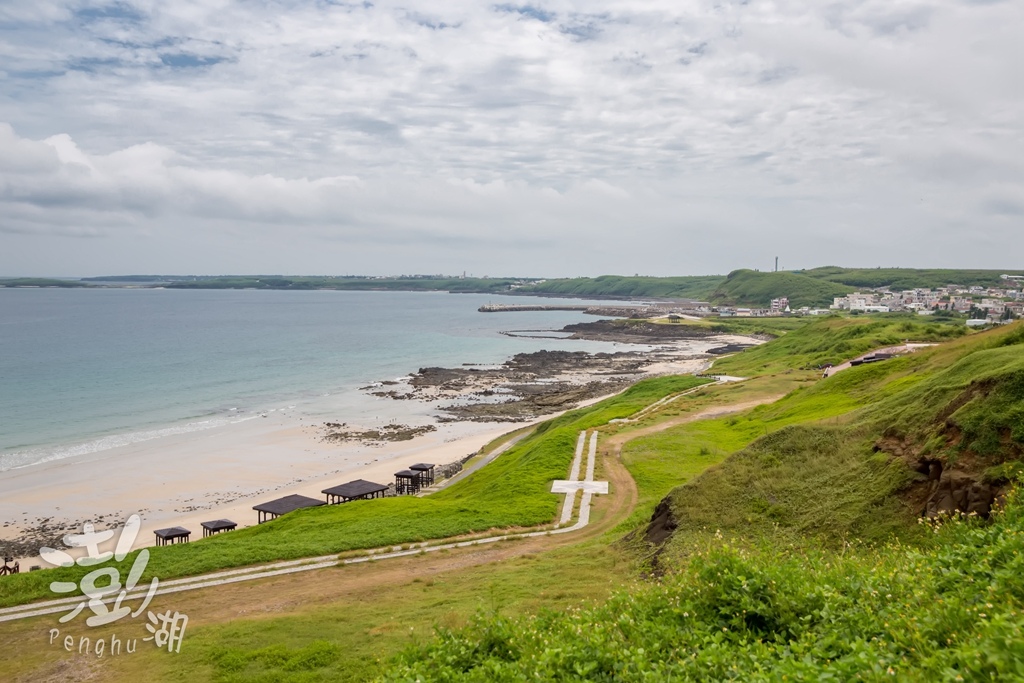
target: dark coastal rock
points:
(959, 492)
(635, 331)
(728, 348)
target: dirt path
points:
(614, 443)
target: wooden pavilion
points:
(360, 489)
(175, 534)
(282, 506)
(407, 482)
(217, 526)
(426, 471)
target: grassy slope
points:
(511, 492)
(834, 340)
(907, 278)
(815, 287)
(953, 612)
(755, 288)
(815, 483)
(781, 485)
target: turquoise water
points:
(86, 370)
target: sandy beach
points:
(220, 473)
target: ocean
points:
(87, 370)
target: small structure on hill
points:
(360, 489)
(175, 534)
(282, 506)
(6, 569)
(426, 471)
(217, 526)
(407, 482)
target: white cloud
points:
(533, 138)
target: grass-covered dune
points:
(801, 555)
(513, 491)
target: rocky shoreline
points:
(532, 385)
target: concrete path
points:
(636, 417)
(588, 486)
(486, 460)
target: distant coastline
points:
(813, 287)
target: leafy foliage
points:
(950, 612)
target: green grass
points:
(953, 611)
(835, 340)
(754, 288)
(344, 637)
(325, 644)
(820, 478)
(795, 557)
(908, 278)
(513, 491)
(662, 461)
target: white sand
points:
(186, 479)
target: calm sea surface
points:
(87, 370)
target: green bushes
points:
(951, 612)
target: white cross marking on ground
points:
(588, 486)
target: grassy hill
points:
(754, 288)
(907, 278)
(800, 556)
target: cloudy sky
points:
(554, 138)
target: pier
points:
(506, 308)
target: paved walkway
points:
(636, 417)
(573, 484)
(486, 460)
